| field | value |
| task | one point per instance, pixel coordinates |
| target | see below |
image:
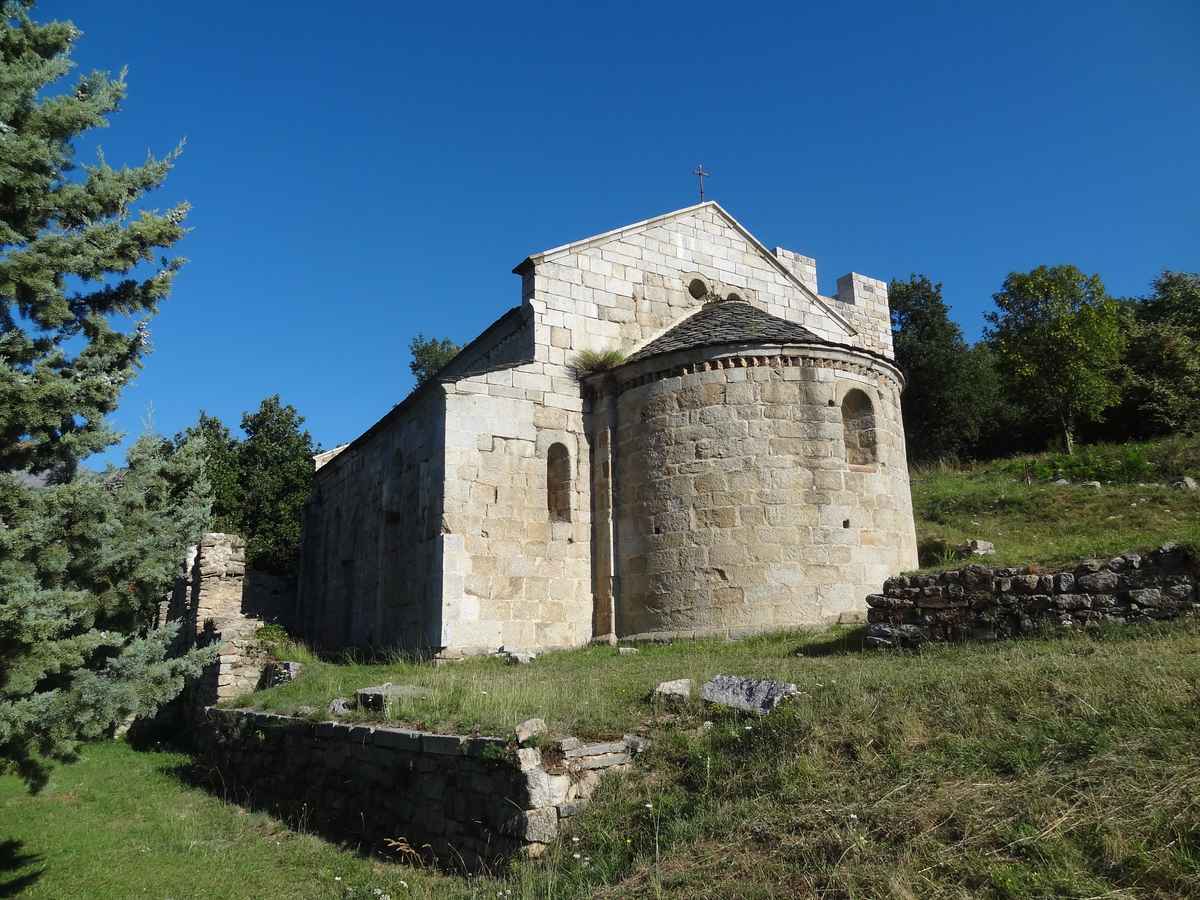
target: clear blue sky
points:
(365, 171)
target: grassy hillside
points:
(1046, 524)
(1014, 503)
(1053, 767)
(1062, 766)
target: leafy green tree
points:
(1161, 394)
(1174, 301)
(275, 471)
(429, 356)
(1161, 388)
(222, 468)
(83, 562)
(1059, 340)
(950, 391)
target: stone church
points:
(741, 468)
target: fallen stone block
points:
(636, 743)
(887, 635)
(594, 749)
(516, 657)
(976, 547)
(529, 729)
(382, 696)
(602, 761)
(340, 706)
(753, 695)
(676, 692)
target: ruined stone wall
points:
(736, 509)
(984, 602)
(217, 600)
(464, 801)
(371, 557)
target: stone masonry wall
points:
(620, 289)
(863, 301)
(515, 575)
(736, 508)
(371, 558)
(983, 602)
(463, 801)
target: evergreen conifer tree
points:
(85, 561)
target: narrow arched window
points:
(558, 483)
(858, 428)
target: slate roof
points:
(727, 322)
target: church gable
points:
(620, 289)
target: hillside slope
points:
(1016, 505)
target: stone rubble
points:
(678, 691)
(975, 547)
(516, 657)
(380, 697)
(340, 706)
(529, 729)
(276, 673)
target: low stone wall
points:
(987, 603)
(460, 801)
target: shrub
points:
(589, 362)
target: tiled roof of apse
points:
(727, 322)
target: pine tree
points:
(221, 465)
(84, 562)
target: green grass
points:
(122, 824)
(1057, 767)
(591, 692)
(1051, 767)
